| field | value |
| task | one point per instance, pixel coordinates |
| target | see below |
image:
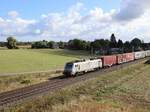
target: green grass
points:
(123, 90)
(11, 82)
(28, 60)
(3, 48)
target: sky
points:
(32, 20)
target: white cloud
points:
(132, 9)
(95, 23)
(17, 27)
(13, 14)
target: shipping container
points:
(140, 54)
(126, 57)
(109, 61)
(147, 53)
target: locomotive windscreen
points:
(69, 66)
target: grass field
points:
(3, 48)
(12, 82)
(28, 60)
(123, 90)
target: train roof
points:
(76, 61)
(83, 60)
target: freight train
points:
(87, 65)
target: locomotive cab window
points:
(69, 66)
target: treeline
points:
(3, 44)
(75, 44)
(98, 46)
(48, 44)
(12, 43)
(24, 43)
(111, 46)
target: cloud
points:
(126, 23)
(17, 27)
(13, 14)
(132, 9)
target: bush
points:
(40, 44)
(78, 44)
(44, 44)
(25, 82)
(147, 62)
(11, 43)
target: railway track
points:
(18, 95)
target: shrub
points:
(25, 81)
(147, 62)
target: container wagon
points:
(126, 57)
(140, 54)
(82, 66)
(109, 61)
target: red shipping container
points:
(130, 56)
(126, 57)
(108, 61)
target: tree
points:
(50, 44)
(88, 45)
(11, 43)
(61, 45)
(40, 44)
(3, 44)
(44, 44)
(146, 46)
(113, 42)
(96, 44)
(136, 43)
(100, 44)
(77, 44)
(120, 44)
(127, 46)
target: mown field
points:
(28, 60)
(123, 90)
